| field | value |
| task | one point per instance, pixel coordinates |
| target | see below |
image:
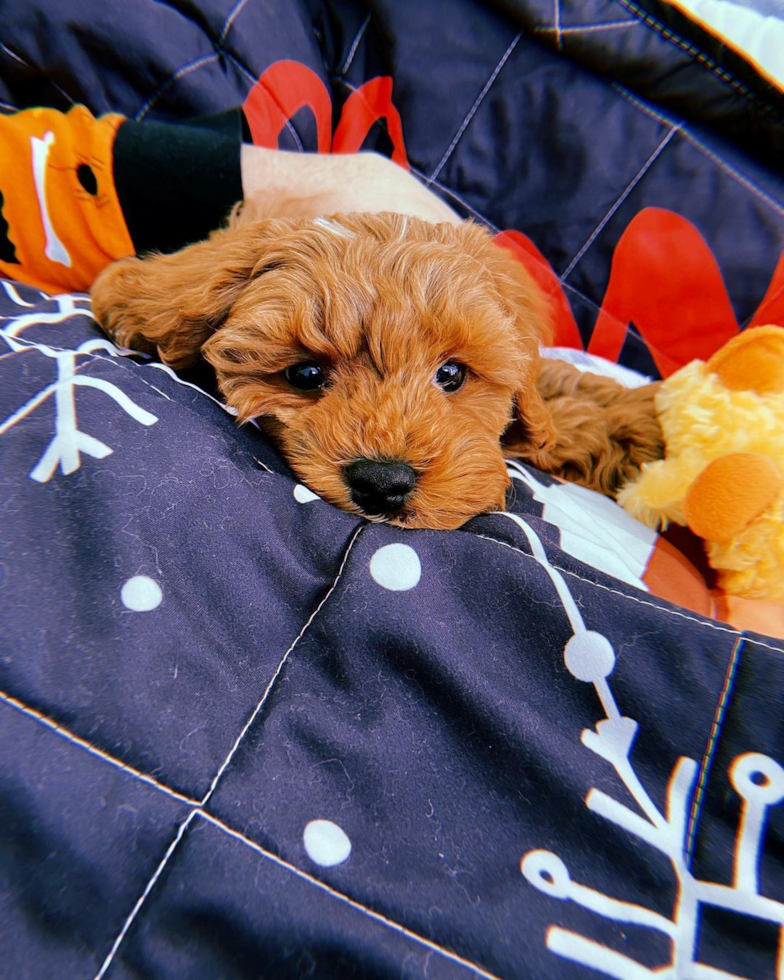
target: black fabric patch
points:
(86, 177)
(7, 249)
(175, 183)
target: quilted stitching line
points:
(21, 60)
(233, 14)
(340, 896)
(693, 51)
(732, 171)
(477, 103)
(217, 44)
(707, 759)
(259, 707)
(181, 72)
(557, 24)
(587, 28)
(82, 743)
(186, 823)
(747, 182)
(268, 855)
(643, 602)
(641, 173)
(283, 112)
(489, 224)
(69, 736)
(248, 73)
(149, 887)
(354, 45)
(455, 197)
(643, 106)
(183, 827)
(429, 180)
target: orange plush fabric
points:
(61, 215)
(752, 361)
(730, 493)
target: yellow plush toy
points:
(723, 471)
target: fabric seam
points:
(695, 54)
(619, 202)
(722, 706)
(477, 102)
(643, 602)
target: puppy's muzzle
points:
(380, 487)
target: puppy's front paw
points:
(118, 306)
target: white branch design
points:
(757, 779)
(68, 442)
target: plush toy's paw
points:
(752, 361)
(730, 493)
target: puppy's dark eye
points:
(450, 376)
(307, 376)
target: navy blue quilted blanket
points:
(245, 734)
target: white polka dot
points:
(326, 843)
(396, 567)
(141, 594)
(589, 656)
(302, 495)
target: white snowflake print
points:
(67, 442)
(756, 778)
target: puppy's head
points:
(384, 354)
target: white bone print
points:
(55, 251)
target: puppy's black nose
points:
(380, 487)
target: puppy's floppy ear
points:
(170, 304)
(531, 431)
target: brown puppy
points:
(393, 361)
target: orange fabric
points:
(63, 235)
(771, 309)
(730, 493)
(278, 95)
(672, 576)
(760, 615)
(753, 361)
(363, 108)
(287, 86)
(665, 279)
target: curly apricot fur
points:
(381, 301)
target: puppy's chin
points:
(414, 520)
(449, 492)
(418, 518)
